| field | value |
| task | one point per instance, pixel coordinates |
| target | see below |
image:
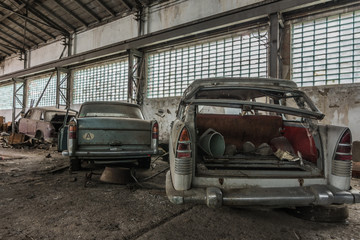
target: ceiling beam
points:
(218, 21)
(14, 38)
(33, 21)
(53, 14)
(6, 53)
(127, 4)
(106, 8)
(88, 10)
(5, 16)
(48, 21)
(28, 30)
(8, 48)
(11, 44)
(18, 33)
(71, 13)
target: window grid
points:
(106, 82)
(6, 96)
(171, 71)
(327, 50)
(36, 87)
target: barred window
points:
(327, 50)
(171, 71)
(105, 82)
(6, 97)
(35, 89)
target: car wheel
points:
(331, 213)
(165, 148)
(145, 163)
(75, 164)
(39, 136)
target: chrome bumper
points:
(115, 154)
(271, 197)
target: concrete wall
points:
(340, 104)
(117, 31)
(163, 110)
(11, 64)
(170, 14)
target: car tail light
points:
(183, 149)
(342, 164)
(72, 130)
(155, 131)
(343, 150)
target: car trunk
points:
(263, 132)
(113, 134)
(58, 120)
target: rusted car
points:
(43, 123)
(111, 133)
(256, 142)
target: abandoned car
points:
(256, 142)
(111, 133)
(43, 123)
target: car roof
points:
(52, 109)
(257, 82)
(109, 102)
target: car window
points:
(35, 115)
(28, 114)
(110, 110)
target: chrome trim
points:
(279, 196)
(343, 154)
(92, 154)
(344, 144)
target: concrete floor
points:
(39, 199)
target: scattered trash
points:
(212, 143)
(16, 138)
(230, 150)
(248, 147)
(48, 156)
(285, 155)
(264, 150)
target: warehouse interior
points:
(62, 53)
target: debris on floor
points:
(356, 170)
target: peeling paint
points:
(339, 103)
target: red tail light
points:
(343, 150)
(183, 149)
(155, 131)
(72, 130)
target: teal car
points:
(111, 133)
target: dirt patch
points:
(40, 199)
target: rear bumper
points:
(109, 155)
(271, 197)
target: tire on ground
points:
(331, 213)
(144, 163)
(75, 164)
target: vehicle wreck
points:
(43, 123)
(111, 133)
(275, 154)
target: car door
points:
(34, 122)
(24, 122)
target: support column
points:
(17, 92)
(135, 59)
(62, 87)
(274, 62)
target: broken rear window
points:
(110, 110)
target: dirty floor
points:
(40, 199)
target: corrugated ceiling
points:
(25, 24)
